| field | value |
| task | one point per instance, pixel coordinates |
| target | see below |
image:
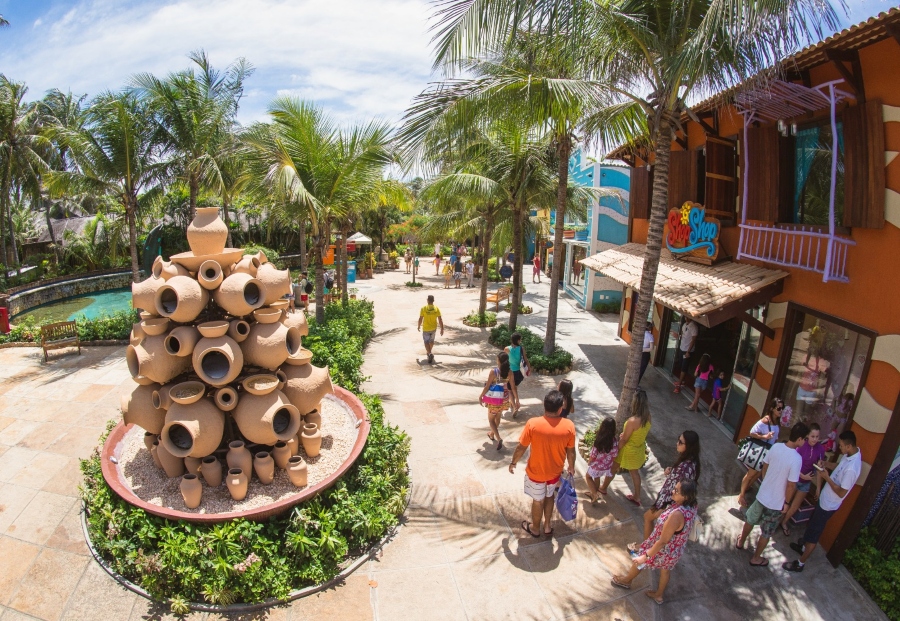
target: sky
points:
(358, 58)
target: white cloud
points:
(363, 58)
(38, 22)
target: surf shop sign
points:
(691, 234)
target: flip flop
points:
(631, 498)
(550, 534)
(602, 492)
(621, 585)
(786, 530)
(765, 563)
(500, 445)
(491, 437)
(738, 544)
(527, 528)
(659, 602)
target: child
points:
(720, 387)
(448, 270)
(601, 461)
(565, 387)
(702, 373)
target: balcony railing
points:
(802, 248)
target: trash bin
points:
(351, 271)
(4, 320)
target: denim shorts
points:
(701, 383)
(803, 486)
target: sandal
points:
(527, 528)
(491, 437)
(786, 530)
(500, 445)
(659, 601)
(549, 533)
(739, 544)
(765, 563)
(621, 585)
(631, 498)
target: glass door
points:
(672, 340)
(742, 376)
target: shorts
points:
(701, 383)
(540, 491)
(816, 524)
(457, 275)
(304, 298)
(518, 376)
(804, 486)
(767, 519)
(679, 359)
(428, 337)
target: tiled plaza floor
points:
(461, 554)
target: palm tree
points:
(653, 55)
(195, 110)
(317, 170)
(228, 174)
(116, 153)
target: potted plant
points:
(394, 258)
(353, 291)
(370, 265)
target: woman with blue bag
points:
(499, 387)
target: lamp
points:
(782, 128)
(793, 129)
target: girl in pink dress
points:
(667, 541)
(601, 461)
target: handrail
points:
(802, 248)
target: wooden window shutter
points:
(682, 178)
(639, 193)
(721, 182)
(864, 166)
(763, 181)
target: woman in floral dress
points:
(666, 543)
(686, 468)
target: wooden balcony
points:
(799, 247)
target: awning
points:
(710, 294)
(360, 239)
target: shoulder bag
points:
(496, 391)
(753, 452)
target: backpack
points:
(308, 288)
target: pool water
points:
(91, 305)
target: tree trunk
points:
(563, 151)
(194, 188)
(53, 241)
(345, 295)
(12, 230)
(304, 260)
(518, 217)
(130, 206)
(320, 278)
(485, 255)
(4, 205)
(662, 149)
(227, 221)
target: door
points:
(742, 376)
(674, 325)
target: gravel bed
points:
(151, 484)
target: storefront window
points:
(824, 372)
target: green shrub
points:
(876, 572)
(523, 310)
(484, 321)
(339, 342)
(114, 327)
(606, 307)
(534, 347)
(271, 254)
(412, 284)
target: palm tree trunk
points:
(516, 296)
(130, 206)
(345, 296)
(320, 278)
(4, 205)
(563, 151)
(485, 255)
(304, 260)
(56, 248)
(662, 149)
(226, 219)
(194, 188)
(12, 230)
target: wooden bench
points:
(59, 335)
(500, 294)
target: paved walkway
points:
(461, 553)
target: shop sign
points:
(691, 234)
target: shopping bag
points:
(696, 530)
(526, 370)
(566, 500)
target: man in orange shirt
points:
(552, 442)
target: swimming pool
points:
(91, 305)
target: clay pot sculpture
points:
(282, 454)
(210, 275)
(154, 453)
(238, 456)
(181, 298)
(239, 329)
(293, 445)
(217, 361)
(264, 466)
(281, 305)
(237, 482)
(207, 233)
(277, 282)
(191, 490)
(167, 269)
(193, 430)
(211, 470)
(314, 417)
(282, 379)
(173, 465)
(306, 385)
(260, 384)
(143, 294)
(261, 257)
(155, 326)
(266, 419)
(240, 294)
(300, 357)
(182, 340)
(192, 464)
(137, 334)
(143, 381)
(213, 329)
(312, 439)
(161, 399)
(187, 393)
(226, 398)
(267, 315)
(297, 320)
(297, 471)
(137, 409)
(149, 439)
(248, 264)
(151, 360)
(270, 344)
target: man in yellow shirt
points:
(429, 318)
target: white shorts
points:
(539, 491)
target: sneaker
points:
(677, 388)
(792, 566)
(797, 547)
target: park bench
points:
(59, 335)
(500, 294)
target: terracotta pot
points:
(293, 445)
(267, 315)
(192, 464)
(143, 381)
(314, 417)
(281, 305)
(213, 329)
(149, 439)
(161, 398)
(226, 398)
(210, 275)
(137, 334)
(277, 282)
(167, 269)
(282, 453)
(151, 359)
(282, 379)
(238, 456)
(207, 233)
(237, 482)
(264, 467)
(261, 257)
(270, 344)
(155, 454)
(240, 294)
(217, 361)
(173, 466)
(312, 440)
(145, 315)
(155, 326)
(191, 490)
(182, 340)
(301, 357)
(297, 319)
(187, 393)
(306, 386)
(297, 471)
(239, 329)
(193, 430)
(211, 469)
(143, 294)
(260, 384)
(181, 298)
(137, 409)
(248, 264)
(266, 419)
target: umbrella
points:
(359, 238)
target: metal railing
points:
(801, 247)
